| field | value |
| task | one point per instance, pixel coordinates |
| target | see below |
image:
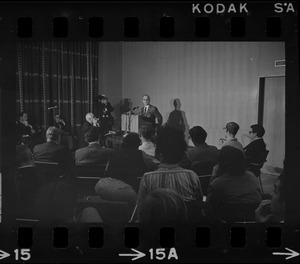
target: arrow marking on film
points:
(3, 254)
(137, 255)
(291, 254)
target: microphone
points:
(52, 107)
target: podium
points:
(130, 123)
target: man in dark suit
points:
(23, 127)
(257, 144)
(93, 153)
(149, 113)
(52, 151)
(201, 151)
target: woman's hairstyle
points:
(170, 144)
(231, 160)
(131, 141)
(163, 206)
(146, 132)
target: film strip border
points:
(84, 243)
(265, 21)
(236, 27)
(268, 21)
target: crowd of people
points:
(153, 170)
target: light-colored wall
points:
(216, 82)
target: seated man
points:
(231, 130)
(23, 128)
(52, 151)
(257, 144)
(202, 151)
(66, 138)
(91, 121)
(93, 153)
(273, 211)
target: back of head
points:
(231, 160)
(163, 206)
(258, 129)
(53, 134)
(146, 132)
(131, 141)
(198, 134)
(170, 145)
(92, 134)
(232, 128)
(89, 116)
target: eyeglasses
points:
(250, 132)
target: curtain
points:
(56, 74)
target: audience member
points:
(257, 144)
(202, 151)
(23, 127)
(52, 151)
(273, 211)
(170, 147)
(24, 157)
(233, 185)
(231, 130)
(125, 166)
(66, 138)
(93, 153)
(146, 137)
(103, 109)
(90, 121)
(89, 215)
(163, 206)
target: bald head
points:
(89, 117)
(53, 134)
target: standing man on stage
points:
(149, 113)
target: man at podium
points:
(149, 113)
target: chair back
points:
(109, 211)
(90, 170)
(47, 172)
(255, 167)
(87, 177)
(203, 167)
(235, 212)
(204, 180)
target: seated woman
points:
(233, 185)
(170, 147)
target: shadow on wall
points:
(122, 107)
(177, 118)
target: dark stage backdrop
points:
(62, 74)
